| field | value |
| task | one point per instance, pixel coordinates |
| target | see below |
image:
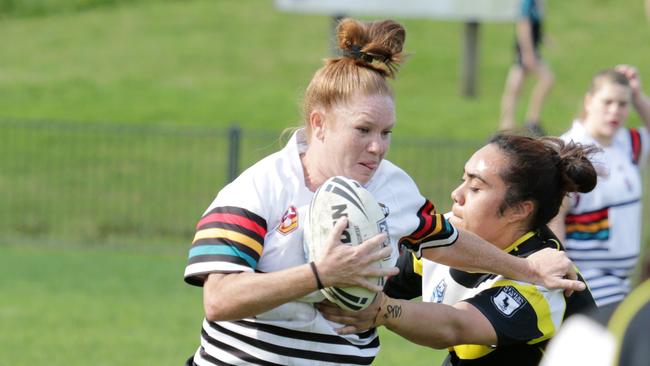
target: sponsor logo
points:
(289, 221)
(508, 300)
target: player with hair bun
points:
(511, 188)
(248, 253)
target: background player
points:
(529, 62)
(602, 228)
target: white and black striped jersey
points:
(603, 227)
(256, 224)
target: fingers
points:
(569, 285)
(572, 274)
(337, 231)
(373, 243)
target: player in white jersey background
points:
(248, 253)
(602, 229)
(511, 189)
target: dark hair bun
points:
(576, 170)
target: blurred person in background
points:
(248, 255)
(511, 189)
(529, 36)
(601, 229)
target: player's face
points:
(357, 136)
(478, 198)
(606, 111)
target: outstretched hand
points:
(344, 265)
(554, 269)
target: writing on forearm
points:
(393, 312)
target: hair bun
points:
(577, 172)
(376, 45)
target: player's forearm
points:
(428, 324)
(471, 253)
(642, 106)
(240, 295)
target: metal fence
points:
(93, 184)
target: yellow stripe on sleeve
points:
(231, 235)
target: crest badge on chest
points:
(289, 221)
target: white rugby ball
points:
(338, 197)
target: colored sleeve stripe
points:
(441, 231)
(226, 242)
(587, 217)
(222, 250)
(229, 235)
(426, 214)
(259, 220)
(229, 218)
(232, 227)
(580, 235)
(220, 263)
(593, 227)
(635, 136)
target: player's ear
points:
(317, 123)
(522, 211)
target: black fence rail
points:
(109, 183)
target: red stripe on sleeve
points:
(425, 216)
(232, 219)
(588, 217)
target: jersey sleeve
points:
(433, 230)
(413, 221)
(640, 145)
(521, 312)
(230, 235)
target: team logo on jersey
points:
(439, 292)
(289, 221)
(508, 300)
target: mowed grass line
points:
(114, 306)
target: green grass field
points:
(113, 306)
(197, 64)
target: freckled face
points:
(357, 136)
(478, 198)
(607, 110)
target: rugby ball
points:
(336, 198)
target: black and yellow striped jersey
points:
(524, 315)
